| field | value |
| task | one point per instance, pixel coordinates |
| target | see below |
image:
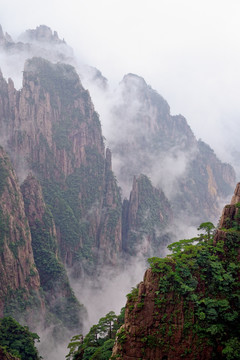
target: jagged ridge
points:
(165, 148)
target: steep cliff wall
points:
(52, 128)
(187, 170)
(19, 278)
(188, 303)
(52, 120)
(164, 147)
(59, 297)
(145, 219)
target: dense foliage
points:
(17, 339)
(61, 301)
(204, 273)
(98, 343)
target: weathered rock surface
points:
(185, 307)
(236, 196)
(164, 147)
(53, 129)
(59, 296)
(144, 322)
(18, 272)
(145, 218)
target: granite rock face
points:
(52, 129)
(73, 215)
(59, 297)
(18, 274)
(186, 306)
(163, 146)
(146, 216)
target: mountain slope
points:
(164, 147)
(52, 129)
(19, 278)
(143, 136)
(188, 304)
(59, 297)
(146, 216)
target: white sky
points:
(188, 50)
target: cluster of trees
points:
(18, 340)
(98, 343)
(205, 273)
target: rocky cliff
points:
(73, 203)
(58, 294)
(19, 277)
(146, 216)
(74, 208)
(188, 303)
(164, 147)
(52, 128)
(41, 41)
(34, 286)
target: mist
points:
(108, 290)
(189, 52)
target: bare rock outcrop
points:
(165, 148)
(59, 296)
(145, 218)
(52, 129)
(236, 196)
(18, 272)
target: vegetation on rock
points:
(193, 308)
(18, 340)
(98, 343)
(59, 297)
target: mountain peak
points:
(42, 33)
(4, 38)
(236, 196)
(134, 80)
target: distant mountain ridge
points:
(144, 132)
(70, 201)
(163, 146)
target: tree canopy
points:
(98, 343)
(18, 340)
